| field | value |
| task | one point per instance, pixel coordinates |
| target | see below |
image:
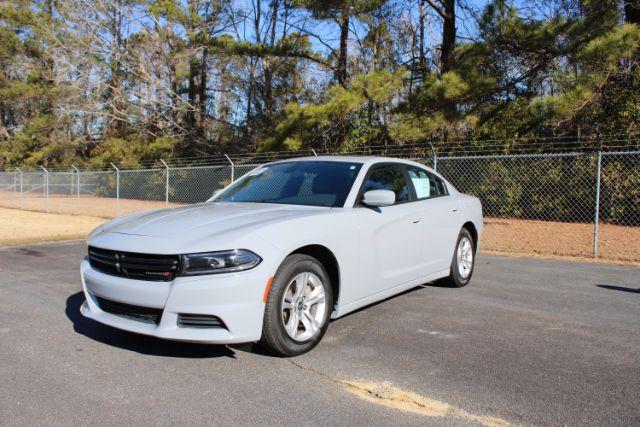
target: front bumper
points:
(236, 298)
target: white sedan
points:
(279, 252)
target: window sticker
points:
(422, 186)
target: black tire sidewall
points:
(276, 336)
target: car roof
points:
(366, 160)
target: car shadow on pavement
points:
(620, 288)
(139, 343)
(373, 304)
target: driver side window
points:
(388, 177)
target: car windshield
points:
(310, 183)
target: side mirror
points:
(379, 198)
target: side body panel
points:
(439, 228)
(336, 231)
(389, 250)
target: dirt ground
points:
(502, 236)
(17, 227)
(547, 238)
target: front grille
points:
(199, 321)
(161, 268)
(133, 312)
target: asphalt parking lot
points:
(528, 342)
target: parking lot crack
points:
(387, 395)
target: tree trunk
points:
(116, 93)
(175, 99)
(223, 104)
(202, 90)
(268, 66)
(192, 91)
(632, 12)
(252, 68)
(248, 128)
(447, 58)
(4, 132)
(341, 69)
(422, 61)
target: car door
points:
(438, 228)
(388, 238)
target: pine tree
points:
(341, 11)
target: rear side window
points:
(441, 186)
(425, 184)
(388, 177)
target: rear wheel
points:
(298, 306)
(463, 260)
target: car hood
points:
(206, 219)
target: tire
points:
(291, 327)
(464, 260)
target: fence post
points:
(597, 207)
(233, 167)
(435, 158)
(166, 184)
(117, 189)
(77, 188)
(21, 192)
(46, 187)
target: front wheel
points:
(463, 260)
(298, 306)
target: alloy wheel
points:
(303, 307)
(464, 255)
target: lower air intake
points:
(199, 321)
(128, 311)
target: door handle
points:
(455, 210)
(417, 220)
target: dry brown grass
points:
(103, 207)
(18, 227)
(503, 236)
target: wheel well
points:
(474, 233)
(328, 261)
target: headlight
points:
(218, 262)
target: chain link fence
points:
(574, 203)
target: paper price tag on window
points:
(422, 186)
